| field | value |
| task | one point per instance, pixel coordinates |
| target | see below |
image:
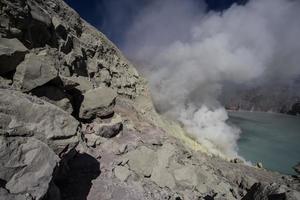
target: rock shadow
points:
(77, 99)
(77, 182)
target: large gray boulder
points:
(109, 129)
(12, 52)
(98, 102)
(35, 70)
(27, 165)
(23, 115)
(142, 160)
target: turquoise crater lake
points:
(273, 139)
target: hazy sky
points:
(114, 17)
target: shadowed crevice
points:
(77, 182)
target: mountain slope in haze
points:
(274, 96)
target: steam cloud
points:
(188, 53)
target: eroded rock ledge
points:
(77, 122)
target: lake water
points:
(273, 139)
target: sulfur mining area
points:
(78, 122)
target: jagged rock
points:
(55, 96)
(65, 40)
(109, 129)
(92, 66)
(39, 14)
(60, 28)
(12, 52)
(98, 102)
(67, 45)
(27, 165)
(76, 60)
(104, 76)
(39, 33)
(100, 76)
(80, 83)
(247, 182)
(35, 70)
(70, 57)
(5, 83)
(141, 160)
(53, 23)
(26, 116)
(237, 160)
(259, 165)
(69, 83)
(27, 21)
(121, 173)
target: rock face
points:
(26, 116)
(33, 135)
(77, 122)
(53, 32)
(71, 74)
(270, 191)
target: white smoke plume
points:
(188, 53)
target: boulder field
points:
(77, 122)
